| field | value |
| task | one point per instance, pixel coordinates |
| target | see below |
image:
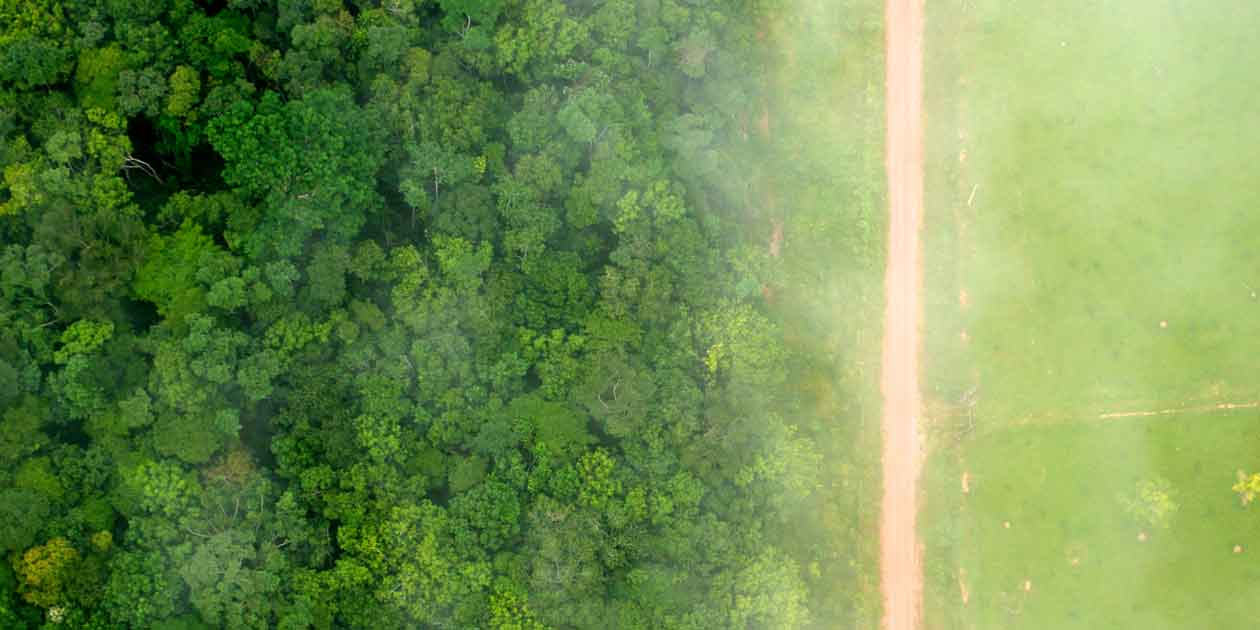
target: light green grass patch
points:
(1111, 149)
(1061, 487)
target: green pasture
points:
(1061, 487)
(1111, 164)
(1102, 225)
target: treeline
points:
(394, 314)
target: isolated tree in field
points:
(1248, 487)
(1153, 502)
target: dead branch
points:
(195, 533)
(132, 162)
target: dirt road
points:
(901, 568)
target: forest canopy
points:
(397, 314)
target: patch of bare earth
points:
(776, 238)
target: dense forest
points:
(410, 314)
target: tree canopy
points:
(393, 314)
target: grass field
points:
(1109, 145)
(1092, 210)
(1060, 488)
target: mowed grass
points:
(1108, 152)
(1112, 151)
(1059, 486)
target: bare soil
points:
(901, 563)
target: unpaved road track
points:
(901, 567)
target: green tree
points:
(311, 163)
(185, 92)
(226, 584)
(1153, 503)
(22, 514)
(1247, 487)
(35, 38)
(45, 570)
(179, 268)
(96, 76)
(140, 590)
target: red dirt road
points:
(901, 565)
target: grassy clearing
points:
(1090, 193)
(1059, 486)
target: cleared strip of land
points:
(901, 572)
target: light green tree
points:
(1152, 503)
(1248, 487)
